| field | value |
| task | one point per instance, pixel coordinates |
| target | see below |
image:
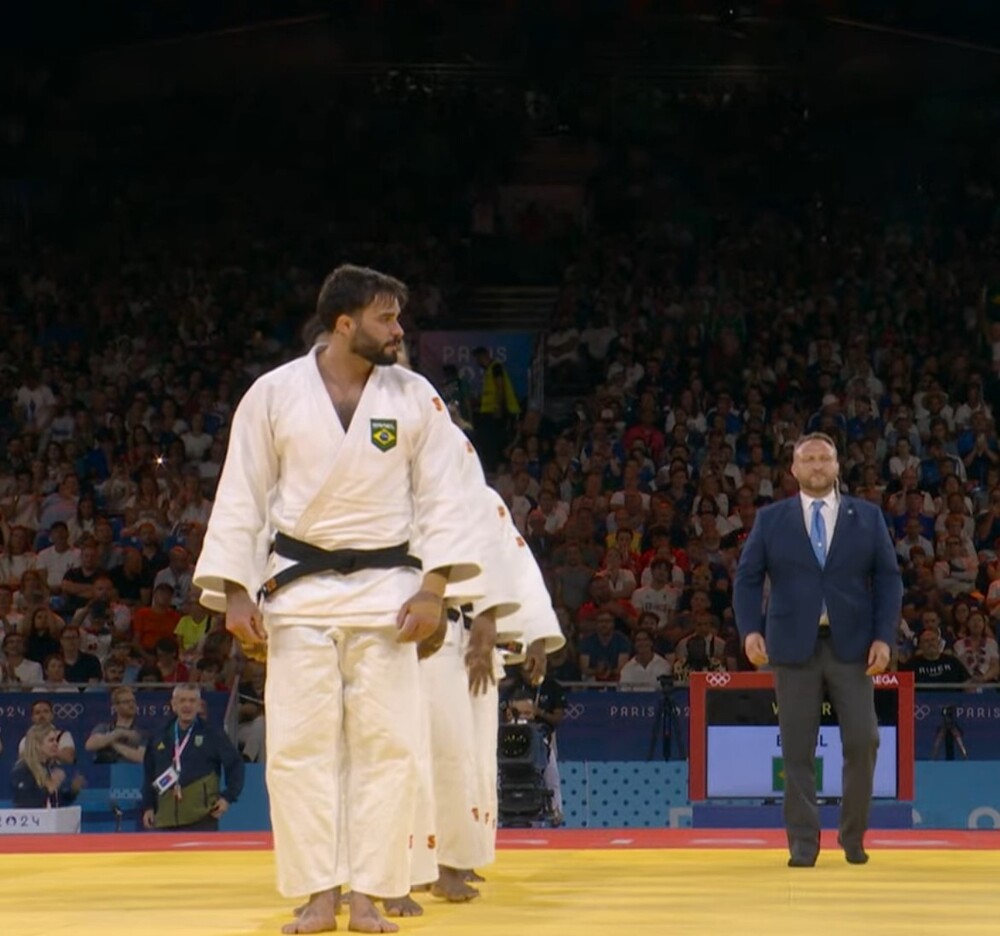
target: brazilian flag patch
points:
(384, 434)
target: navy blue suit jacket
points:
(860, 583)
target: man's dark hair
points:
(350, 289)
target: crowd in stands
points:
(725, 297)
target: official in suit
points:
(831, 616)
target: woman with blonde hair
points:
(38, 780)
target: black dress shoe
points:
(855, 854)
(797, 861)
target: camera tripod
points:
(666, 725)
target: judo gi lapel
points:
(343, 442)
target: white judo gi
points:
(340, 688)
(448, 807)
(463, 728)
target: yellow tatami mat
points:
(534, 892)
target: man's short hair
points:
(186, 687)
(120, 691)
(814, 437)
(350, 289)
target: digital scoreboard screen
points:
(743, 757)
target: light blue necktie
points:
(817, 533)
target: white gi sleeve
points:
(439, 505)
(232, 549)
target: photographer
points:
(543, 706)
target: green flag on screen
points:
(778, 774)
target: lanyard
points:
(179, 745)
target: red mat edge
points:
(513, 839)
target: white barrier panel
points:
(65, 819)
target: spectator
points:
(930, 667)
(976, 650)
(79, 667)
(56, 560)
(177, 574)
(16, 667)
(604, 652)
(119, 740)
(643, 672)
(41, 641)
(42, 714)
(159, 620)
(38, 780)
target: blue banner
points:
(627, 726)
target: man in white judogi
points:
(509, 603)
(340, 456)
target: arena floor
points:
(545, 883)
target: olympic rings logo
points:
(717, 680)
(67, 711)
(575, 710)
(920, 712)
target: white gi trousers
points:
(444, 682)
(342, 732)
(486, 725)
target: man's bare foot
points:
(338, 903)
(365, 918)
(470, 875)
(319, 915)
(451, 886)
(402, 907)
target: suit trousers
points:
(343, 729)
(799, 690)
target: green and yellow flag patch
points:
(384, 434)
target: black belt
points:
(311, 560)
(462, 613)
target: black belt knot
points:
(312, 560)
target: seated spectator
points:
(159, 620)
(956, 570)
(40, 638)
(662, 595)
(167, 661)
(604, 652)
(177, 574)
(56, 560)
(643, 671)
(78, 582)
(619, 577)
(17, 557)
(55, 680)
(80, 667)
(101, 618)
(930, 667)
(10, 619)
(623, 613)
(42, 714)
(572, 578)
(32, 593)
(977, 651)
(132, 580)
(703, 650)
(38, 780)
(119, 740)
(18, 668)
